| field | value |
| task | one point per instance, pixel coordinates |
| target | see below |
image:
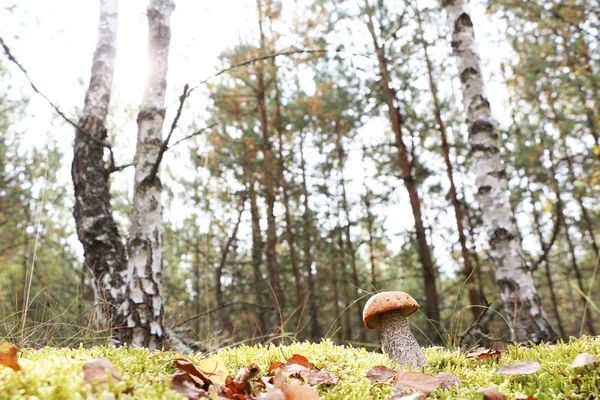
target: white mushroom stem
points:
(399, 342)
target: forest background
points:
(255, 253)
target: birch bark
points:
(143, 307)
(515, 282)
(96, 227)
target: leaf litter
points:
(196, 383)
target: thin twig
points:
(546, 249)
(54, 106)
(587, 299)
(165, 144)
(198, 132)
(114, 168)
(284, 53)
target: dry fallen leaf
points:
(274, 367)
(202, 381)
(296, 391)
(98, 371)
(526, 398)
(8, 356)
(412, 396)
(583, 360)
(239, 387)
(282, 391)
(380, 373)
(491, 394)
(406, 381)
(447, 380)
(214, 368)
(526, 368)
(482, 353)
(299, 360)
(321, 378)
(183, 384)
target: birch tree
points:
(143, 306)
(97, 230)
(513, 276)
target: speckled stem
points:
(399, 342)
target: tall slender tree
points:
(522, 303)
(469, 272)
(406, 167)
(143, 306)
(96, 228)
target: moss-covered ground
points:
(53, 373)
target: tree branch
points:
(284, 53)
(198, 132)
(165, 144)
(546, 249)
(54, 106)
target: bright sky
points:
(55, 41)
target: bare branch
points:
(285, 53)
(165, 143)
(115, 168)
(547, 247)
(54, 106)
(198, 132)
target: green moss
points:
(53, 373)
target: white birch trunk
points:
(522, 304)
(96, 227)
(143, 307)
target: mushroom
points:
(388, 311)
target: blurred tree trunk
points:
(348, 244)
(223, 313)
(370, 238)
(469, 272)
(585, 215)
(389, 95)
(96, 228)
(289, 229)
(586, 319)
(308, 259)
(257, 241)
(515, 281)
(143, 306)
(269, 172)
(545, 249)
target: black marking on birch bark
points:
(484, 190)
(149, 113)
(482, 125)
(463, 21)
(455, 44)
(500, 235)
(478, 103)
(490, 149)
(468, 74)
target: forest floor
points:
(324, 370)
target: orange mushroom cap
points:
(387, 301)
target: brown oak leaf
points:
(526, 368)
(491, 394)
(380, 373)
